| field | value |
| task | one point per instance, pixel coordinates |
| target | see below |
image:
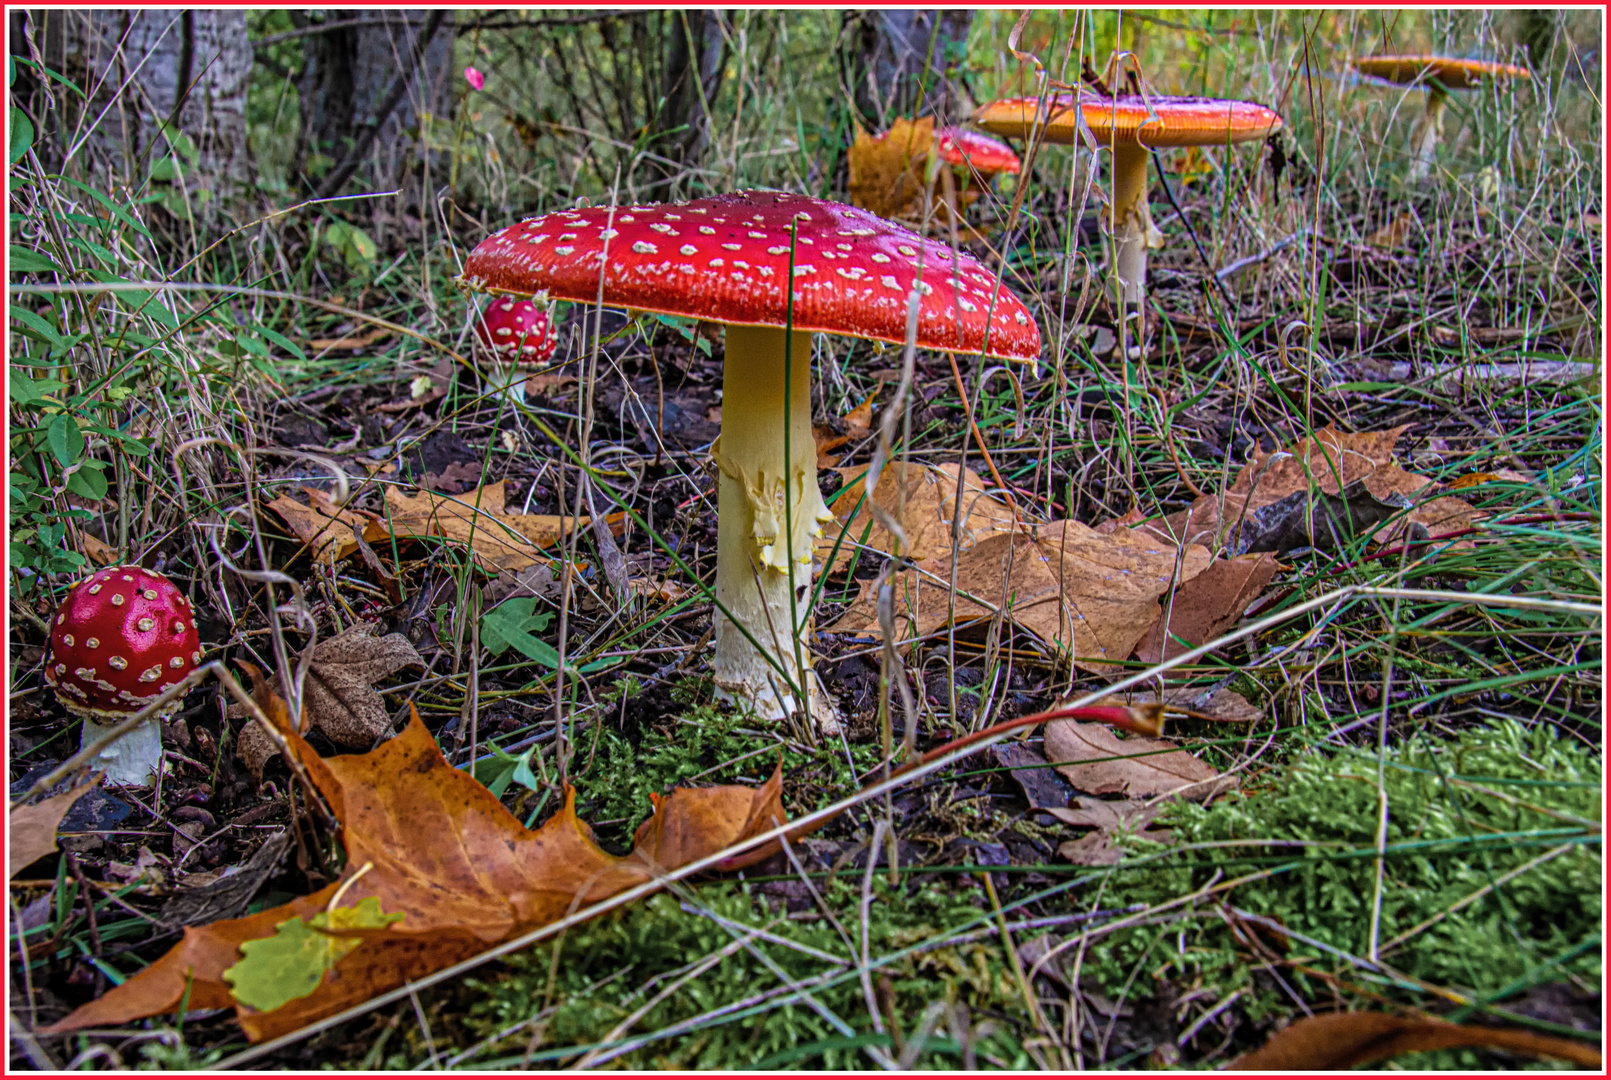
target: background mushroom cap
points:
(121, 637)
(957, 146)
(516, 331)
(1452, 73)
(1126, 120)
(725, 258)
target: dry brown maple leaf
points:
(1097, 761)
(500, 540)
(1207, 606)
(922, 499)
(326, 529)
(886, 171)
(1344, 1040)
(338, 693)
(432, 843)
(1106, 818)
(1083, 593)
(31, 830)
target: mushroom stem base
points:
(132, 760)
(768, 512)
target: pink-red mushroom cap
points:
(961, 148)
(725, 259)
(121, 637)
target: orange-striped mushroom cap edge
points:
(1453, 73)
(1157, 122)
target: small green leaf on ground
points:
(510, 626)
(292, 963)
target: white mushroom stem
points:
(132, 760)
(1132, 229)
(509, 380)
(1428, 131)
(769, 512)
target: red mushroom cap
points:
(960, 147)
(724, 259)
(516, 331)
(121, 637)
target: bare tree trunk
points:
(187, 68)
(696, 56)
(348, 79)
(896, 62)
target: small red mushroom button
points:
(516, 331)
(121, 637)
(513, 336)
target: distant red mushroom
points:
(964, 149)
(763, 263)
(513, 337)
(121, 637)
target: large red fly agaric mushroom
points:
(726, 260)
(513, 337)
(1439, 74)
(1132, 125)
(121, 637)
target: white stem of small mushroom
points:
(510, 381)
(1426, 137)
(132, 760)
(755, 542)
(1133, 230)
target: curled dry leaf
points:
(1345, 1040)
(1107, 818)
(1335, 459)
(1097, 761)
(857, 423)
(31, 830)
(1083, 593)
(338, 693)
(500, 540)
(441, 850)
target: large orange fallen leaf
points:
(922, 498)
(1089, 595)
(1344, 1040)
(500, 540)
(443, 851)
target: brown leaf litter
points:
(338, 693)
(478, 519)
(31, 830)
(1345, 1040)
(1090, 597)
(1335, 459)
